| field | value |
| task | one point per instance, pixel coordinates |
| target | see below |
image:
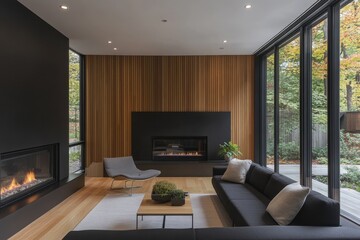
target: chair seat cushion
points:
(141, 175)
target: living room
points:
(85, 81)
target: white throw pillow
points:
(236, 170)
(287, 203)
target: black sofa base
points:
(235, 233)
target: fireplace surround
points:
(165, 127)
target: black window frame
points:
(318, 12)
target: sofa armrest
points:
(219, 170)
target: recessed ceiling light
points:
(248, 6)
(164, 20)
(115, 48)
(109, 42)
(64, 7)
(225, 41)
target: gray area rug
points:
(117, 211)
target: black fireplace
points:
(193, 135)
(179, 148)
(26, 171)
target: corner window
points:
(307, 139)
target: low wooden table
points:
(149, 207)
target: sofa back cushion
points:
(275, 184)
(259, 177)
(318, 210)
(248, 175)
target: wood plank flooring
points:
(57, 222)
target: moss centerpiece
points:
(162, 191)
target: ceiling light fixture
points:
(64, 7)
(115, 48)
(109, 42)
(225, 41)
(248, 6)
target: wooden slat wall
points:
(118, 85)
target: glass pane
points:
(74, 97)
(319, 107)
(75, 156)
(350, 110)
(289, 109)
(270, 111)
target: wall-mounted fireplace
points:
(179, 148)
(193, 135)
(26, 171)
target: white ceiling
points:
(193, 27)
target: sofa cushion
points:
(318, 210)
(259, 177)
(248, 175)
(237, 170)
(276, 183)
(287, 203)
(226, 202)
(229, 192)
(236, 191)
(252, 212)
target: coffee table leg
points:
(163, 226)
(137, 217)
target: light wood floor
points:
(57, 222)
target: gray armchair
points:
(123, 168)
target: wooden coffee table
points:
(149, 207)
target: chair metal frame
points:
(122, 178)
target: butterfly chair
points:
(123, 168)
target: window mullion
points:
(333, 103)
(276, 110)
(305, 108)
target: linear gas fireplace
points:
(25, 172)
(179, 148)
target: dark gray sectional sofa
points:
(246, 203)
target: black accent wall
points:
(33, 83)
(145, 125)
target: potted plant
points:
(161, 191)
(177, 197)
(229, 150)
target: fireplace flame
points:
(29, 178)
(180, 154)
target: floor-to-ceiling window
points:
(270, 115)
(319, 113)
(350, 108)
(289, 109)
(309, 140)
(75, 113)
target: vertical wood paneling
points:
(118, 85)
